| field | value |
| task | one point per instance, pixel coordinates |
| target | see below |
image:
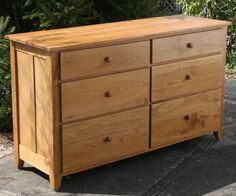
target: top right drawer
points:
(188, 45)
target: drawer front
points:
(187, 77)
(100, 61)
(96, 141)
(101, 95)
(183, 46)
(185, 118)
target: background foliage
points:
(5, 79)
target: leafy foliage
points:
(118, 10)
(61, 13)
(5, 79)
(217, 9)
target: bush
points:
(5, 79)
(216, 9)
(60, 13)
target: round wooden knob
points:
(187, 77)
(107, 59)
(189, 45)
(107, 139)
(108, 94)
(187, 117)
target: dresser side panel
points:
(26, 95)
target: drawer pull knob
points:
(189, 45)
(107, 94)
(187, 117)
(107, 139)
(107, 59)
(188, 77)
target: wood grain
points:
(96, 96)
(26, 100)
(43, 96)
(99, 140)
(15, 105)
(220, 132)
(186, 77)
(47, 95)
(34, 159)
(185, 117)
(55, 136)
(87, 96)
(115, 33)
(190, 45)
(104, 60)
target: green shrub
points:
(110, 10)
(67, 13)
(216, 9)
(5, 79)
(60, 13)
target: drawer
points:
(101, 95)
(189, 45)
(105, 60)
(187, 77)
(96, 141)
(185, 118)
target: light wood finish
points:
(48, 116)
(15, 104)
(185, 117)
(219, 133)
(105, 60)
(184, 46)
(43, 105)
(26, 100)
(39, 111)
(86, 96)
(34, 159)
(186, 77)
(101, 95)
(55, 136)
(99, 140)
(115, 33)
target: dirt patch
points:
(6, 144)
(6, 139)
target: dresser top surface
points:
(115, 33)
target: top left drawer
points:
(104, 60)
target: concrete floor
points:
(201, 166)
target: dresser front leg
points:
(218, 134)
(19, 162)
(55, 181)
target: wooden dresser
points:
(91, 95)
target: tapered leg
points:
(55, 181)
(19, 163)
(218, 134)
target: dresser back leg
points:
(218, 134)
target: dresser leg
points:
(19, 163)
(218, 134)
(55, 182)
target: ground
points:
(200, 166)
(6, 144)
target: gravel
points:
(6, 144)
